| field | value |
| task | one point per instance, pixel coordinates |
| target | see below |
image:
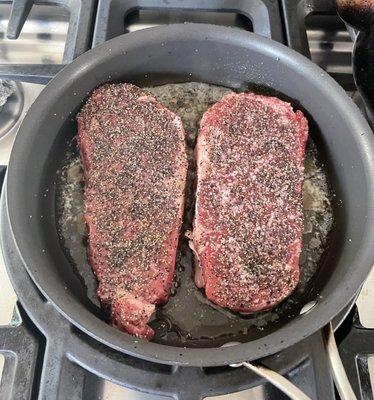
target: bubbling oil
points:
(189, 319)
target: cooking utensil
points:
(222, 56)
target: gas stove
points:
(41, 354)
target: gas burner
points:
(11, 111)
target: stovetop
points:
(55, 32)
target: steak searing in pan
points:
(135, 167)
(249, 218)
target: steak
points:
(135, 166)
(248, 218)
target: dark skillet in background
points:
(360, 15)
(222, 56)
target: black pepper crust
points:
(135, 166)
(249, 221)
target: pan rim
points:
(282, 338)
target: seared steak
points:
(135, 166)
(248, 222)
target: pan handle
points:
(293, 392)
(340, 377)
(279, 381)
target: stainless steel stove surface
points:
(50, 37)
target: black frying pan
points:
(223, 56)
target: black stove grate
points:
(295, 14)
(78, 40)
(48, 358)
(66, 354)
(80, 24)
(307, 16)
(264, 15)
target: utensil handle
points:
(279, 381)
(340, 377)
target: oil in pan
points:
(189, 319)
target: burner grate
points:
(295, 14)
(314, 29)
(68, 354)
(264, 15)
(79, 33)
(78, 39)
(45, 355)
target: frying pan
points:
(217, 55)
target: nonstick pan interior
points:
(224, 57)
(189, 319)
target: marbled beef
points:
(249, 221)
(135, 166)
